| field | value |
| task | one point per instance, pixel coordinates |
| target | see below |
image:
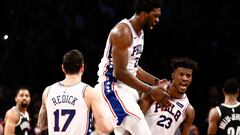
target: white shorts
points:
(121, 99)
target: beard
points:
(24, 105)
(146, 26)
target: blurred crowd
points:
(39, 32)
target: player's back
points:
(229, 122)
(67, 111)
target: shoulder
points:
(46, 90)
(213, 114)
(190, 109)
(190, 112)
(120, 30)
(45, 94)
(89, 91)
(91, 95)
(12, 115)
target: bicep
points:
(42, 116)
(10, 123)
(120, 39)
(96, 105)
(213, 118)
(186, 125)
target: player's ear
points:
(82, 68)
(63, 68)
(172, 75)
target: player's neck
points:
(136, 23)
(172, 91)
(21, 109)
(230, 100)
(72, 79)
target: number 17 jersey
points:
(67, 112)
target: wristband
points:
(155, 81)
(149, 90)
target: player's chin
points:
(24, 105)
(183, 89)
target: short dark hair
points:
(146, 5)
(184, 62)
(72, 61)
(231, 86)
(22, 88)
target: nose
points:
(184, 77)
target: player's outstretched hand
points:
(160, 96)
(163, 83)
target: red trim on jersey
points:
(105, 98)
(125, 109)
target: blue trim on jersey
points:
(114, 102)
(109, 92)
(90, 123)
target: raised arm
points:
(213, 119)
(187, 123)
(42, 116)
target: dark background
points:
(41, 31)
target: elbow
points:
(106, 129)
(118, 74)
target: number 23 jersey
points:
(166, 122)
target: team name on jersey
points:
(137, 50)
(175, 113)
(25, 125)
(64, 99)
(228, 119)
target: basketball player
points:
(120, 76)
(166, 120)
(225, 118)
(17, 118)
(67, 105)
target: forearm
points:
(145, 103)
(42, 119)
(146, 77)
(129, 79)
(9, 130)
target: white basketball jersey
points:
(67, 112)
(134, 53)
(167, 121)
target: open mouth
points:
(183, 86)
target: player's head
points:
(73, 62)
(231, 86)
(150, 12)
(182, 70)
(22, 97)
